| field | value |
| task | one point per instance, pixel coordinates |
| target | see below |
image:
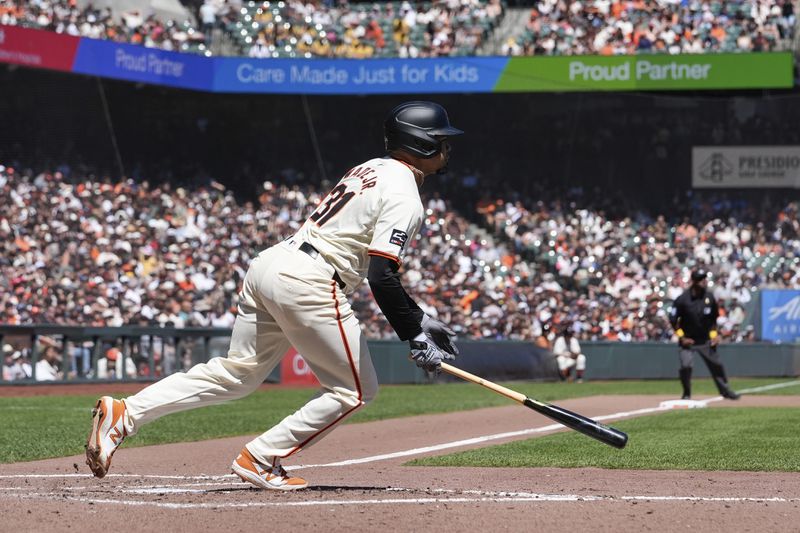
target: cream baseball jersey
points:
(375, 209)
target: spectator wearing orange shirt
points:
(375, 34)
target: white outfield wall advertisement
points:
(746, 167)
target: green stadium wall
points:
(493, 360)
(617, 360)
(604, 360)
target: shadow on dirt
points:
(316, 488)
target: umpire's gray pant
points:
(712, 359)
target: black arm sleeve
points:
(403, 314)
(714, 312)
(675, 313)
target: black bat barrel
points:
(587, 426)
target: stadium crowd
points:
(311, 28)
(613, 278)
(575, 27)
(135, 27)
(305, 28)
(78, 249)
(297, 28)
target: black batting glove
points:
(438, 333)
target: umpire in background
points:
(694, 318)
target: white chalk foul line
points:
(133, 476)
(709, 499)
(575, 497)
(752, 390)
(475, 497)
(305, 503)
(473, 440)
(146, 489)
(774, 386)
(166, 490)
(427, 449)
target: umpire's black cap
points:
(699, 275)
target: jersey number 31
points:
(332, 204)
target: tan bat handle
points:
(463, 374)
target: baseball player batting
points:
(295, 293)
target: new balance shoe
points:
(108, 432)
(272, 477)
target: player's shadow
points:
(313, 488)
(343, 488)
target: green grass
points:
(557, 391)
(56, 426)
(752, 439)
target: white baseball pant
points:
(566, 361)
(288, 298)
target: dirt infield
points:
(358, 483)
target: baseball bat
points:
(587, 426)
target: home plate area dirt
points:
(358, 483)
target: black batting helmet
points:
(418, 128)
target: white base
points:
(682, 404)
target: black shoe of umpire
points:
(686, 397)
(731, 395)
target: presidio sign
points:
(746, 167)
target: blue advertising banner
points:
(149, 65)
(44, 49)
(353, 76)
(780, 315)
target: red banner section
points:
(295, 371)
(35, 48)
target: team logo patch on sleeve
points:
(398, 238)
